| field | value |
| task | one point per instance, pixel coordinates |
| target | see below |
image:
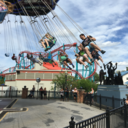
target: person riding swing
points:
(63, 58)
(14, 58)
(97, 57)
(51, 61)
(82, 57)
(34, 60)
(48, 42)
(89, 45)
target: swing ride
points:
(38, 27)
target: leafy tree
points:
(1, 80)
(126, 68)
(96, 76)
(87, 85)
(61, 81)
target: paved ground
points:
(47, 114)
(4, 102)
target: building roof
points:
(126, 82)
(124, 73)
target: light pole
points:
(38, 81)
(65, 79)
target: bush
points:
(87, 85)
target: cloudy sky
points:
(106, 20)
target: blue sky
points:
(106, 20)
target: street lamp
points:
(38, 81)
(65, 79)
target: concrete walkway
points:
(47, 114)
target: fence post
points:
(125, 113)
(11, 94)
(16, 92)
(100, 101)
(64, 96)
(49, 95)
(113, 103)
(107, 118)
(90, 98)
(72, 123)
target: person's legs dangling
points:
(43, 45)
(70, 62)
(97, 62)
(88, 53)
(47, 43)
(92, 44)
(65, 63)
(87, 60)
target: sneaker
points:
(100, 66)
(92, 60)
(48, 47)
(70, 68)
(86, 66)
(102, 51)
(45, 49)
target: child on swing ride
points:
(82, 57)
(97, 57)
(63, 58)
(49, 41)
(14, 58)
(34, 60)
(88, 44)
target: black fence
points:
(103, 102)
(115, 118)
(38, 94)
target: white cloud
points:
(109, 44)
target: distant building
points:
(125, 77)
(27, 77)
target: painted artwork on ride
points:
(3, 11)
(25, 7)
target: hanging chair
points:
(20, 55)
(7, 54)
(51, 42)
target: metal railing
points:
(102, 101)
(37, 94)
(115, 118)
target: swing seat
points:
(2, 15)
(51, 44)
(20, 55)
(7, 54)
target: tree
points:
(61, 81)
(87, 85)
(117, 71)
(1, 80)
(126, 68)
(96, 76)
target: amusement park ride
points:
(42, 19)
